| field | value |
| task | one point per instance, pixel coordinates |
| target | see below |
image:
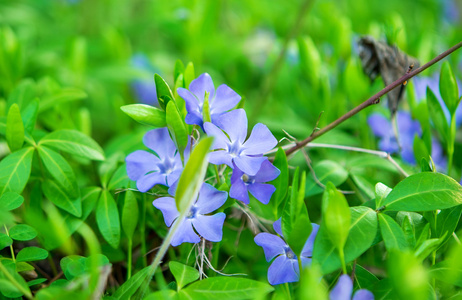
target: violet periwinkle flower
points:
(285, 267)
(344, 289)
(407, 129)
(242, 184)
(233, 146)
(148, 169)
(197, 222)
(220, 101)
(145, 89)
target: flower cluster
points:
(285, 265)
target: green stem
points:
(216, 253)
(342, 260)
(11, 246)
(451, 140)
(300, 268)
(218, 175)
(143, 230)
(129, 259)
(7, 274)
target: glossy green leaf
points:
(22, 232)
(336, 215)
(31, 254)
(224, 288)
(14, 129)
(60, 96)
(107, 168)
(162, 294)
(282, 181)
(361, 235)
(73, 142)
(60, 170)
(178, 69)
(176, 127)
(59, 196)
(163, 91)
(119, 179)
(10, 201)
(130, 213)
(447, 221)
(5, 241)
(448, 88)
(107, 218)
(36, 281)
(15, 170)
(437, 115)
(325, 171)
(126, 290)
(427, 247)
(392, 234)
(193, 175)
(183, 274)
(145, 114)
(189, 74)
(424, 192)
(29, 115)
(381, 192)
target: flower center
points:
(289, 253)
(192, 213)
(234, 149)
(167, 166)
(248, 179)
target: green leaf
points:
(14, 129)
(193, 175)
(126, 290)
(446, 222)
(8, 272)
(145, 114)
(381, 192)
(29, 115)
(163, 91)
(224, 288)
(73, 142)
(31, 254)
(282, 181)
(107, 218)
(448, 88)
(310, 59)
(60, 96)
(22, 232)
(183, 274)
(325, 171)
(36, 281)
(10, 201)
(336, 215)
(424, 192)
(162, 294)
(392, 234)
(60, 170)
(437, 115)
(361, 235)
(119, 179)
(177, 127)
(22, 94)
(189, 74)
(59, 196)
(5, 241)
(15, 170)
(178, 69)
(130, 213)
(427, 247)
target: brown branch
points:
(372, 100)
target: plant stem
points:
(372, 100)
(143, 230)
(451, 140)
(11, 246)
(342, 260)
(129, 259)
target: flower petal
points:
(343, 289)
(145, 92)
(185, 234)
(210, 199)
(168, 208)
(239, 190)
(221, 140)
(139, 163)
(160, 142)
(261, 140)
(277, 227)
(173, 177)
(220, 157)
(307, 250)
(234, 123)
(281, 271)
(262, 191)
(267, 172)
(225, 99)
(249, 164)
(202, 84)
(192, 104)
(363, 295)
(272, 244)
(380, 125)
(193, 118)
(146, 182)
(210, 227)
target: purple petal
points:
(272, 244)
(234, 123)
(221, 140)
(194, 118)
(139, 163)
(363, 295)
(173, 177)
(380, 125)
(343, 289)
(438, 155)
(261, 140)
(307, 250)
(145, 92)
(185, 234)
(168, 208)
(262, 191)
(406, 124)
(210, 227)
(146, 182)
(267, 172)
(202, 84)
(407, 153)
(220, 157)
(192, 104)
(282, 270)
(277, 227)
(305, 261)
(239, 191)
(249, 164)
(225, 99)
(160, 142)
(210, 199)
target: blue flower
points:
(145, 89)
(233, 146)
(344, 288)
(285, 267)
(242, 184)
(197, 222)
(220, 101)
(148, 169)
(407, 129)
